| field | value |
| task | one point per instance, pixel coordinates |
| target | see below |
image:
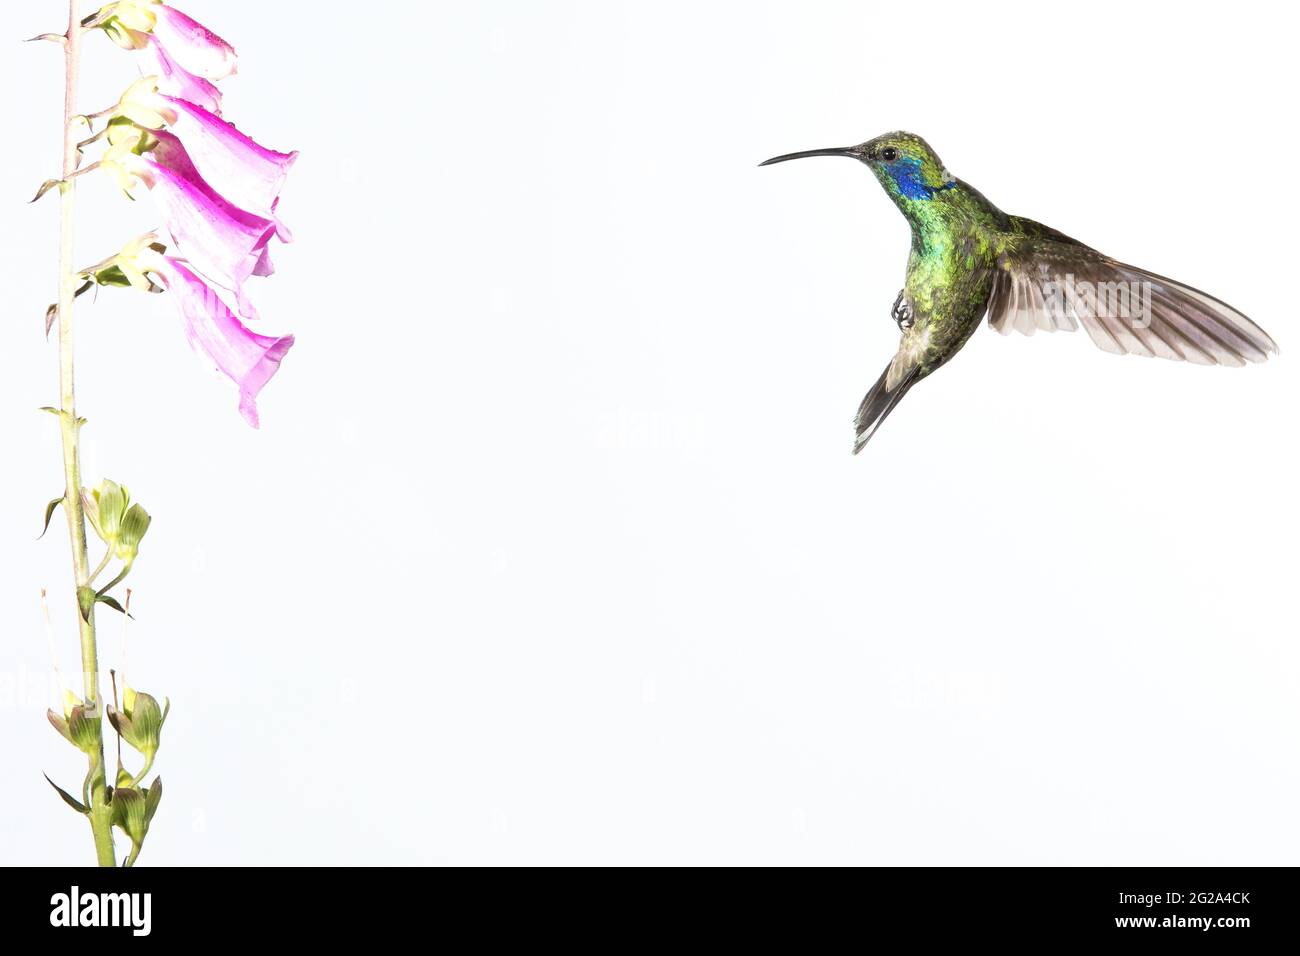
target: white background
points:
(551, 548)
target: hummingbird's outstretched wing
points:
(1047, 281)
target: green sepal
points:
(129, 814)
(146, 140)
(90, 508)
(152, 797)
(110, 507)
(68, 798)
(125, 38)
(112, 277)
(49, 513)
(134, 525)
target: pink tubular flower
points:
(242, 172)
(224, 243)
(169, 152)
(191, 45)
(244, 356)
(175, 80)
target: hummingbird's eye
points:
(889, 154)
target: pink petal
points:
(264, 266)
(192, 46)
(220, 241)
(175, 80)
(244, 356)
(245, 174)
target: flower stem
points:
(99, 569)
(101, 824)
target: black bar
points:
(1050, 905)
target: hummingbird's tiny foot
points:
(902, 312)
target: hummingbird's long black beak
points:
(840, 151)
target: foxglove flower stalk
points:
(217, 193)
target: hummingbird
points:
(969, 259)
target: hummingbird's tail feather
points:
(879, 402)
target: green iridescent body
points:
(969, 259)
(958, 238)
(949, 277)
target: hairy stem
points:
(100, 814)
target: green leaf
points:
(69, 799)
(113, 603)
(49, 513)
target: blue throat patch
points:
(907, 174)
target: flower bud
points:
(130, 268)
(80, 726)
(125, 138)
(128, 23)
(144, 106)
(140, 722)
(133, 811)
(119, 524)
(136, 14)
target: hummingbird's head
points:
(903, 162)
